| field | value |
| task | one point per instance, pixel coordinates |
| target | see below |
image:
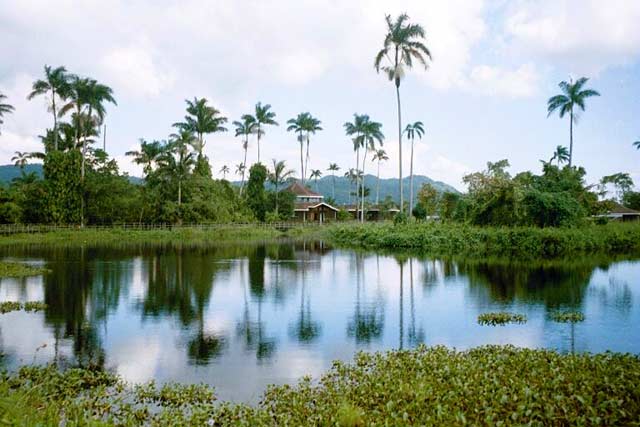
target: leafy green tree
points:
(333, 168)
(255, 190)
(428, 199)
(278, 176)
(573, 96)
(412, 130)
(315, 174)
(622, 182)
(263, 116)
(447, 205)
(4, 107)
(379, 156)
(402, 45)
(631, 199)
(63, 187)
(244, 128)
(56, 83)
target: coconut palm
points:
(312, 125)
(264, 116)
(379, 156)
(572, 97)
(245, 128)
(279, 175)
(147, 155)
(21, 159)
(413, 130)
(402, 45)
(298, 125)
(333, 167)
(561, 155)
(4, 108)
(635, 144)
(56, 83)
(224, 170)
(371, 135)
(315, 174)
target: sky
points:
(483, 97)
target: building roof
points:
(302, 191)
(622, 210)
(305, 206)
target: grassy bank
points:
(486, 386)
(15, 269)
(448, 239)
(192, 235)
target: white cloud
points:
(492, 80)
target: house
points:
(373, 213)
(310, 206)
(621, 213)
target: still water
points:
(242, 316)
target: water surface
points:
(242, 316)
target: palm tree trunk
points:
(55, 120)
(364, 161)
(179, 192)
(400, 145)
(276, 196)
(306, 160)
(411, 181)
(301, 158)
(357, 182)
(244, 164)
(258, 142)
(333, 179)
(571, 138)
(378, 185)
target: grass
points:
(527, 242)
(501, 318)
(485, 386)
(16, 269)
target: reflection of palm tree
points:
(366, 325)
(415, 337)
(305, 329)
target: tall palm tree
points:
(177, 161)
(379, 156)
(561, 155)
(352, 176)
(315, 174)
(240, 168)
(244, 128)
(371, 134)
(333, 167)
(55, 82)
(4, 108)
(297, 125)
(279, 175)
(354, 129)
(147, 155)
(402, 45)
(311, 126)
(635, 144)
(21, 159)
(572, 97)
(264, 116)
(224, 170)
(413, 130)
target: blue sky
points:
(495, 63)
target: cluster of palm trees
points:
(304, 125)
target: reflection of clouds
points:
(24, 333)
(137, 358)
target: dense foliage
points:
(16, 269)
(425, 386)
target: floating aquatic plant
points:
(501, 318)
(8, 306)
(567, 316)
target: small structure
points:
(372, 213)
(310, 206)
(621, 213)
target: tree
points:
(379, 156)
(355, 129)
(298, 125)
(4, 108)
(245, 128)
(635, 144)
(311, 126)
(413, 130)
(224, 170)
(402, 45)
(177, 161)
(315, 174)
(21, 159)
(371, 134)
(201, 119)
(264, 116)
(561, 155)
(55, 82)
(428, 198)
(255, 190)
(622, 182)
(147, 155)
(573, 96)
(278, 176)
(333, 167)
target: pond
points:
(242, 316)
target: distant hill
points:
(9, 172)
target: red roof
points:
(302, 191)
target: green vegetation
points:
(567, 316)
(501, 318)
(425, 386)
(17, 269)
(8, 306)
(4, 108)
(527, 242)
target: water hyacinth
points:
(567, 316)
(501, 318)
(18, 269)
(8, 306)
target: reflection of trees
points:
(305, 329)
(416, 336)
(367, 323)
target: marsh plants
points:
(501, 318)
(424, 386)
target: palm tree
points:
(240, 168)
(380, 155)
(371, 134)
(573, 96)
(177, 161)
(224, 170)
(354, 129)
(413, 130)
(352, 176)
(4, 108)
(315, 174)
(402, 45)
(147, 155)
(333, 167)
(263, 117)
(279, 175)
(56, 82)
(297, 125)
(311, 126)
(561, 155)
(245, 128)
(21, 159)
(635, 144)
